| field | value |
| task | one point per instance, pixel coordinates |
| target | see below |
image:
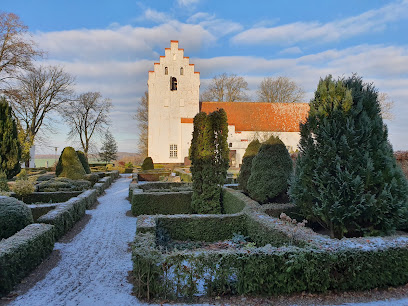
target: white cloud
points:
(288, 34)
(187, 2)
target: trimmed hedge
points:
(22, 252)
(40, 210)
(151, 203)
(48, 197)
(231, 204)
(64, 216)
(14, 216)
(301, 260)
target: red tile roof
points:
(261, 116)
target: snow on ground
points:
(94, 265)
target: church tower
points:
(173, 102)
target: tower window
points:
(230, 145)
(166, 70)
(181, 71)
(173, 150)
(173, 83)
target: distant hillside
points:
(121, 155)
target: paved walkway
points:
(94, 265)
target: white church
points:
(174, 90)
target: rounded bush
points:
(69, 165)
(148, 164)
(14, 216)
(245, 171)
(271, 169)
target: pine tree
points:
(109, 149)
(245, 171)
(346, 176)
(10, 150)
(209, 156)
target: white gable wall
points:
(167, 107)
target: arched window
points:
(181, 71)
(166, 70)
(173, 83)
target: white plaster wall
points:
(241, 140)
(166, 107)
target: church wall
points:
(167, 106)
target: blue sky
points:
(110, 46)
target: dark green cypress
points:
(84, 161)
(346, 175)
(245, 171)
(10, 150)
(209, 155)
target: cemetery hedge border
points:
(286, 259)
(22, 252)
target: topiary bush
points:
(346, 177)
(270, 172)
(14, 216)
(69, 165)
(84, 161)
(147, 164)
(245, 171)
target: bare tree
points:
(142, 118)
(35, 95)
(386, 106)
(16, 49)
(281, 90)
(226, 88)
(86, 116)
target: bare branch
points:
(38, 93)
(226, 88)
(280, 90)
(86, 116)
(386, 106)
(142, 118)
(17, 50)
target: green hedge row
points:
(48, 197)
(152, 203)
(287, 258)
(66, 214)
(41, 209)
(22, 252)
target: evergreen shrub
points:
(209, 155)
(64, 184)
(346, 177)
(69, 165)
(3, 182)
(10, 150)
(245, 171)
(23, 187)
(22, 252)
(14, 216)
(270, 172)
(147, 164)
(84, 161)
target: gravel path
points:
(94, 265)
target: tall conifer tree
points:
(209, 156)
(346, 175)
(10, 150)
